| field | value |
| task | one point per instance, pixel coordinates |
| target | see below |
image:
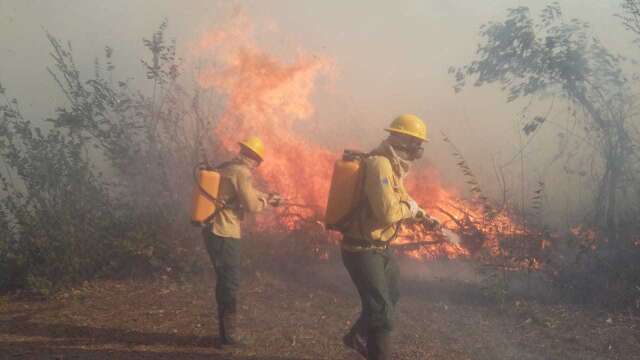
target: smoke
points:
(460, 271)
(377, 60)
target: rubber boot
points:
(379, 345)
(356, 338)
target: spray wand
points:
(439, 232)
(299, 205)
(275, 200)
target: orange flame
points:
(269, 98)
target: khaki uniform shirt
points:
(383, 207)
(237, 192)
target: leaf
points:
(530, 128)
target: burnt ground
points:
(301, 312)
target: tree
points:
(105, 189)
(631, 16)
(551, 56)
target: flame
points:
(588, 238)
(269, 97)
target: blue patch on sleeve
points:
(385, 181)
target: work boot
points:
(355, 339)
(229, 335)
(379, 345)
(219, 342)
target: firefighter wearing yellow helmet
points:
(222, 234)
(365, 245)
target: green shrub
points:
(103, 188)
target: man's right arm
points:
(249, 197)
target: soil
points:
(301, 312)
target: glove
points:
(413, 208)
(431, 223)
(274, 200)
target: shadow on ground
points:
(63, 341)
(44, 350)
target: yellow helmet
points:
(409, 124)
(254, 144)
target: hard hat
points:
(409, 124)
(254, 144)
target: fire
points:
(268, 97)
(476, 227)
(588, 237)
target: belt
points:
(355, 244)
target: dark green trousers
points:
(375, 274)
(225, 257)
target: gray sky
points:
(391, 57)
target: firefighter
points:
(365, 245)
(222, 234)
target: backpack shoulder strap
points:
(219, 204)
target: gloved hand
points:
(274, 200)
(413, 208)
(431, 223)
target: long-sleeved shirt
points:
(384, 204)
(239, 195)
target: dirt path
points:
(302, 314)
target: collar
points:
(399, 165)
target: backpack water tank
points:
(205, 191)
(345, 190)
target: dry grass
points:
(302, 314)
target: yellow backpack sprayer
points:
(205, 201)
(345, 192)
(205, 194)
(346, 196)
